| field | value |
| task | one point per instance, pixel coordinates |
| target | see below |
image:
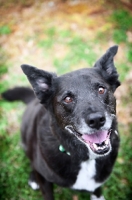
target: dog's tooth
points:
(95, 146)
(107, 142)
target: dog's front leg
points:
(97, 195)
(46, 187)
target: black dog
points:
(70, 136)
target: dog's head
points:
(82, 101)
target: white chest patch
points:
(85, 178)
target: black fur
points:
(19, 93)
(71, 107)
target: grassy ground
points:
(65, 39)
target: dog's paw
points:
(33, 185)
(93, 197)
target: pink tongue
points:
(98, 137)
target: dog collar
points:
(62, 149)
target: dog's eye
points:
(68, 99)
(101, 90)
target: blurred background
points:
(60, 36)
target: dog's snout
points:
(96, 120)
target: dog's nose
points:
(96, 120)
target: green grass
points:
(129, 52)
(122, 19)
(123, 70)
(13, 162)
(79, 52)
(121, 179)
(5, 30)
(121, 25)
(3, 66)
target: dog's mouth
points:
(98, 142)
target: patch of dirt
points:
(27, 22)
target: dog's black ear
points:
(41, 81)
(107, 68)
